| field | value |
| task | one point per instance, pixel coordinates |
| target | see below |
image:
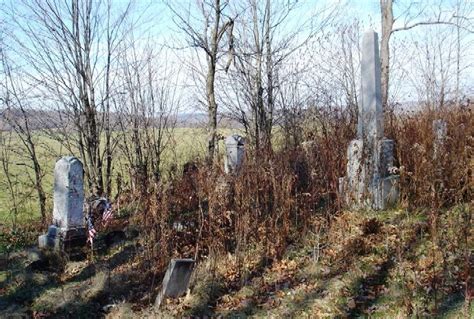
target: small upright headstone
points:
(440, 131)
(234, 153)
(68, 227)
(370, 157)
(68, 193)
(176, 280)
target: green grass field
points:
(185, 144)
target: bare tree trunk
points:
(39, 188)
(387, 26)
(82, 35)
(258, 89)
(210, 83)
(210, 43)
(31, 147)
(107, 128)
(211, 109)
(108, 152)
(386, 8)
(269, 68)
(458, 56)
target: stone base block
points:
(355, 182)
(388, 192)
(368, 183)
(73, 238)
(63, 239)
(50, 239)
(44, 241)
(385, 156)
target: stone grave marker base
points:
(67, 240)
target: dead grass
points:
(274, 241)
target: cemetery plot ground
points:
(378, 264)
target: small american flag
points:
(91, 231)
(107, 214)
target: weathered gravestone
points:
(176, 280)
(369, 158)
(68, 229)
(440, 131)
(234, 153)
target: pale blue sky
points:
(159, 26)
(367, 11)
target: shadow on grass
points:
(79, 310)
(297, 306)
(366, 287)
(95, 287)
(454, 302)
(28, 290)
(113, 262)
(362, 286)
(27, 285)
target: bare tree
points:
(264, 45)
(147, 111)
(294, 98)
(208, 34)
(435, 66)
(63, 45)
(335, 59)
(386, 7)
(18, 116)
(415, 15)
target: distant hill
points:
(200, 120)
(191, 119)
(39, 119)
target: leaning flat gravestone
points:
(176, 280)
(68, 229)
(368, 182)
(234, 157)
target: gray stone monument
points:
(68, 229)
(368, 182)
(234, 153)
(176, 280)
(370, 116)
